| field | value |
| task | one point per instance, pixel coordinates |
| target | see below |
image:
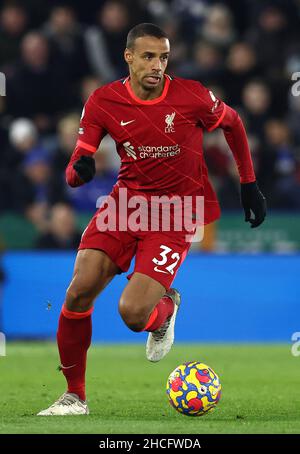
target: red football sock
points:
(73, 340)
(161, 312)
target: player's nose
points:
(156, 65)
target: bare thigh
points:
(93, 270)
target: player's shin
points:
(73, 339)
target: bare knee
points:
(133, 316)
(93, 271)
(94, 266)
(79, 297)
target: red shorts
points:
(157, 254)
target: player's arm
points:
(251, 197)
(214, 113)
(81, 167)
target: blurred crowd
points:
(55, 54)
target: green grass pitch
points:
(126, 393)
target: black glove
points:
(85, 168)
(253, 200)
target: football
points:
(193, 389)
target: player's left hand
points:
(85, 168)
(253, 200)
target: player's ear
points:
(128, 56)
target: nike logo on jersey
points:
(124, 123)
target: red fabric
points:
(217, 123)
(76, 315)
(236, 138)
(73, 340)
(160, 141)
(152, 101)
(152, 319)
(86, 146)
(122, 245)
(162, 311)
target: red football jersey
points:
(160, 140)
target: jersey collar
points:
(151, 101)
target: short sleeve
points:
(210, 109)
(91, 129)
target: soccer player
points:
(157, 122)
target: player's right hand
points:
(85, 168)
(253, 201)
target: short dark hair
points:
(144, 29)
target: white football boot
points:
(160, 341)
(67, 404)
